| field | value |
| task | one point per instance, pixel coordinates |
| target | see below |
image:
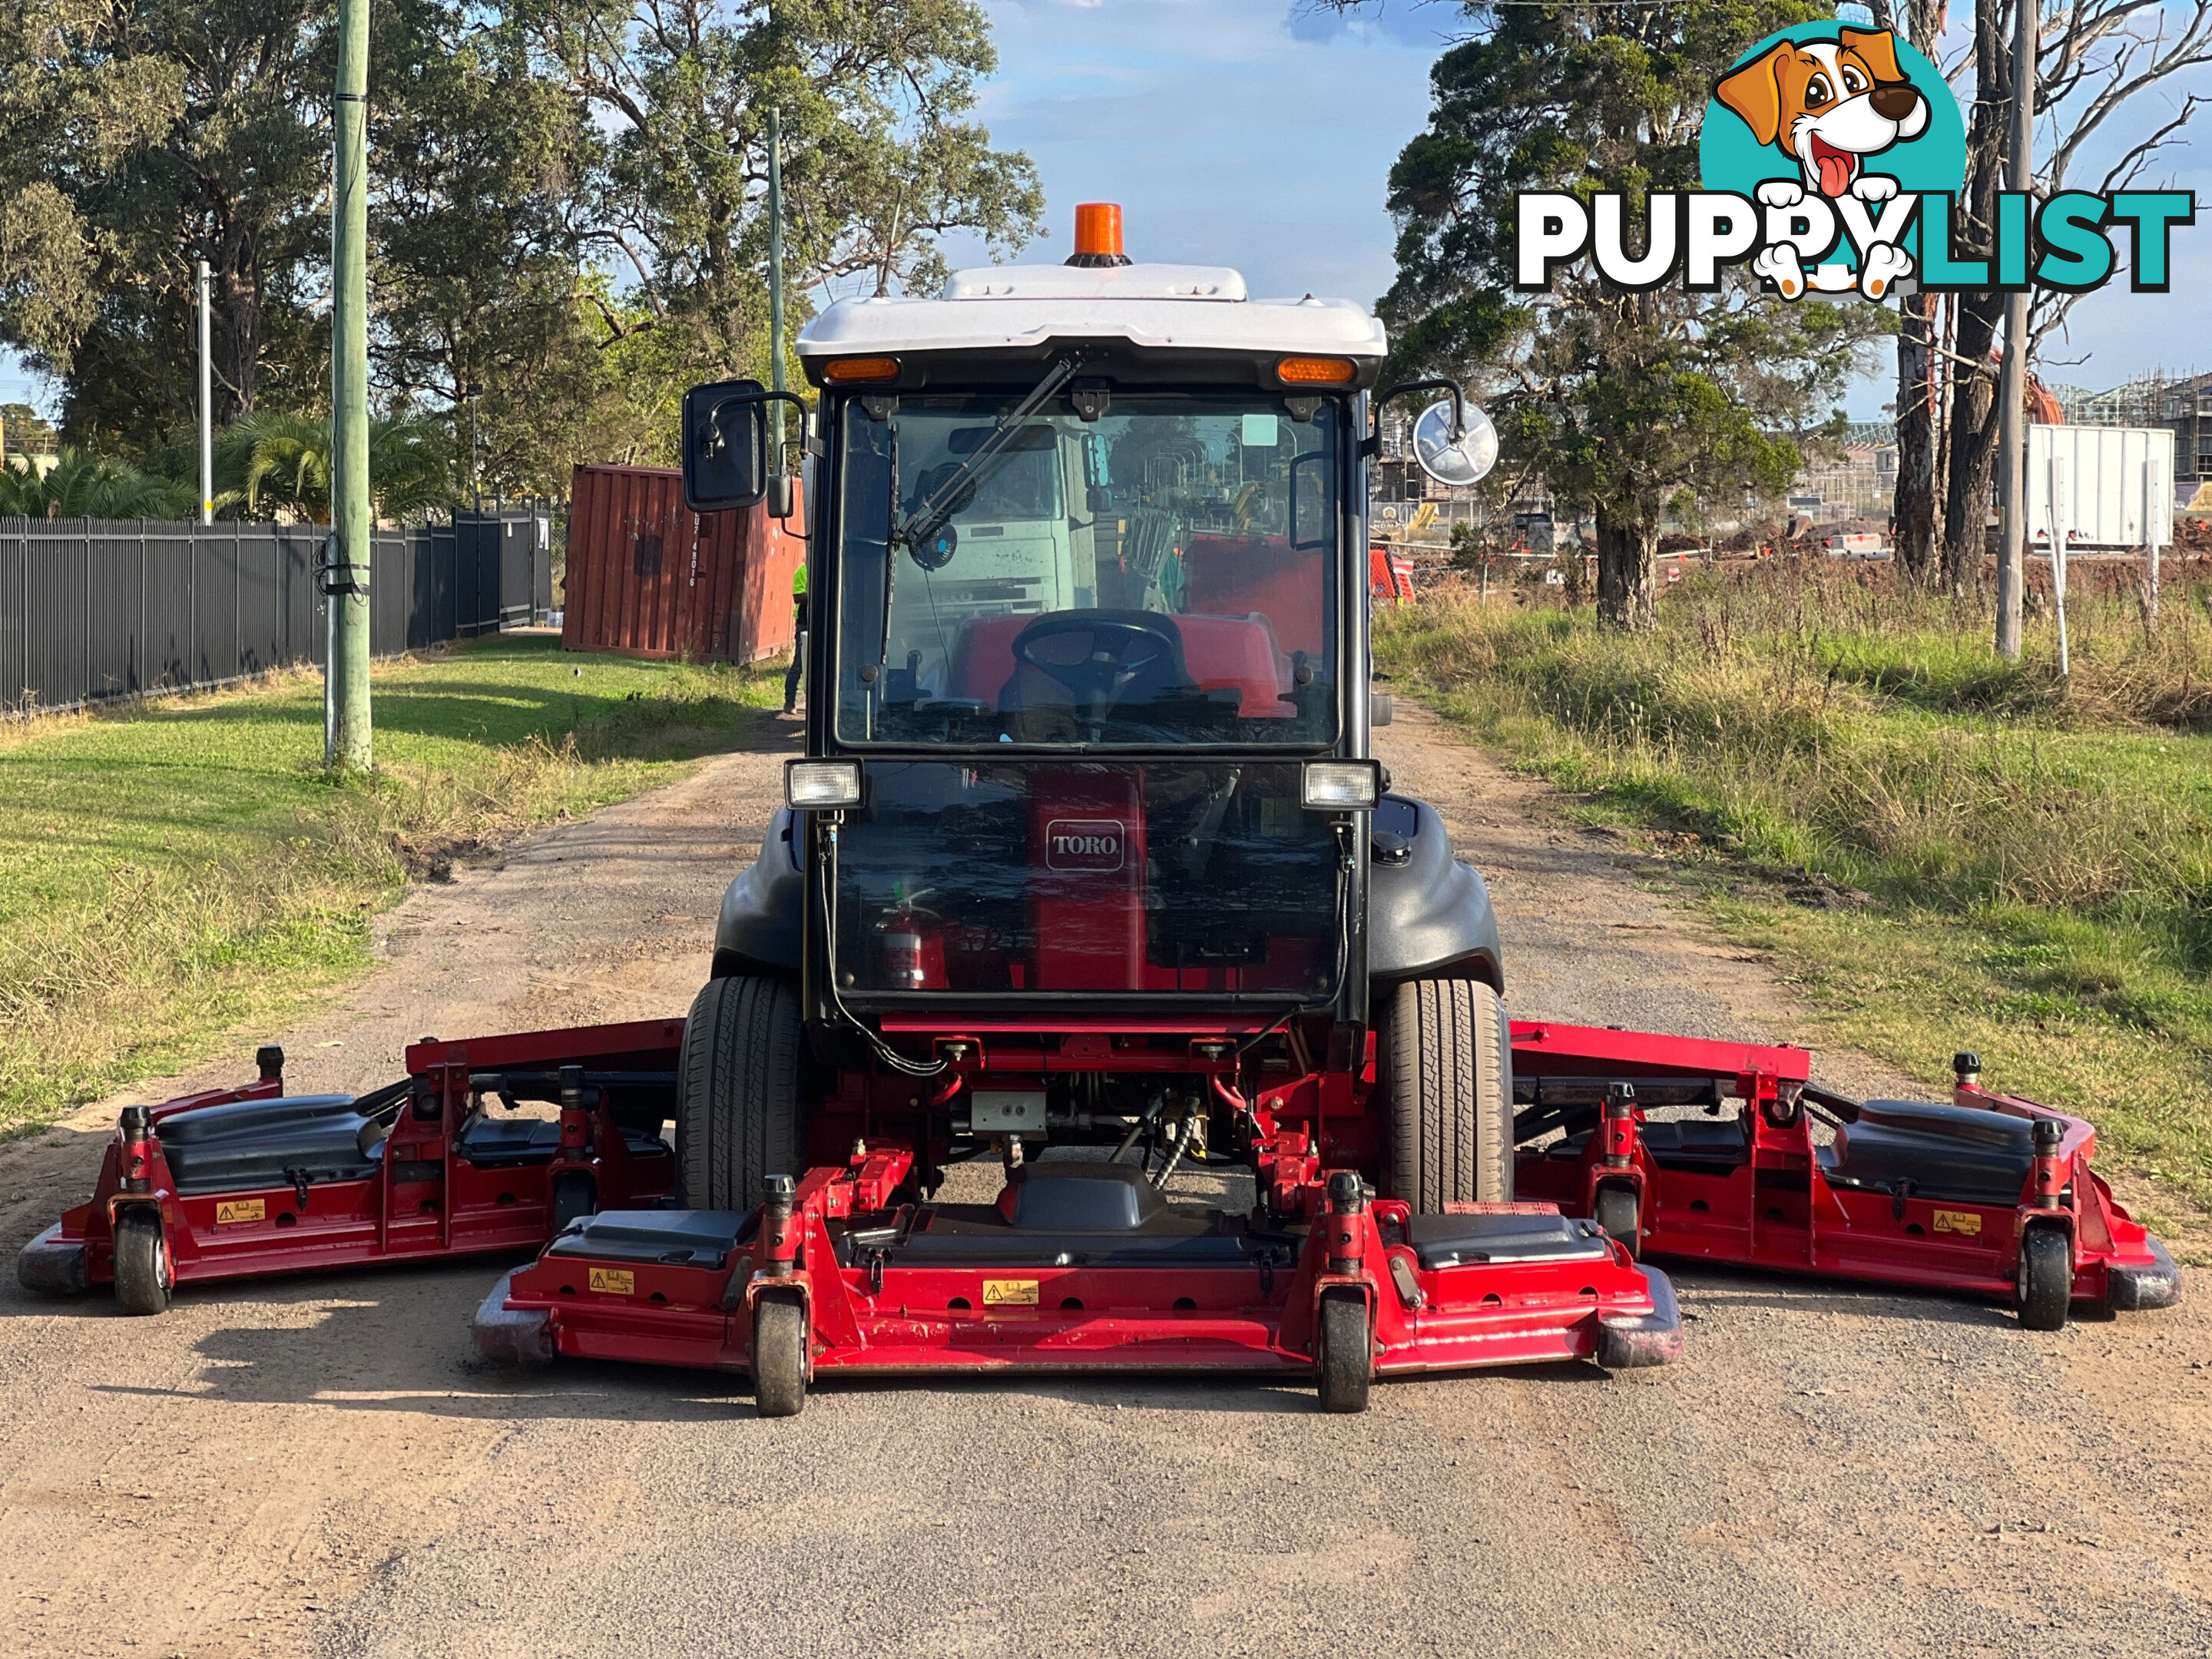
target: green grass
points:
(170, 871)
(1942, 850)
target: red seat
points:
(1223, 652)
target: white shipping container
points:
(2105, 487)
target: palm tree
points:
(281, 462)
(85, 486)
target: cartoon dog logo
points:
(1828, 105)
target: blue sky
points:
(1258, 133)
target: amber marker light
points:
(855, 371)
(1098, 235)
(1315, 371)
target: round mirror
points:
(1460, 462)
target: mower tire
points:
(575, 1195)
(1344, 1352)
(142, 1261)
(779, 1355)
(1448, 1078)
(2046, 1279)
(1617, 1215)
(737, 1091)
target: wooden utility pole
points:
(2011, 383)
(349, 749)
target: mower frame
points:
(426, 1197)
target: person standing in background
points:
(798, 610)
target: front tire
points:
(779, 1355)
(142, 1262)
(1344, 1358)
(2046, 1279)
(575, 1196)
(737, 1080)
(1616, 1215)
(1448, 1078)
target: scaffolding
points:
(2180, 402)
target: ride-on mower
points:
(1088, 851)
(1088, 870)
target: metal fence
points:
(92, 609)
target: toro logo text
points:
(1084, 844)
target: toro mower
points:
(1088, 852)
(1088, 872)
(232, 1183)
(1721, 1151)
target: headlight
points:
(819, 784)
(1342, 785)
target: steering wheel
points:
(1096, 657)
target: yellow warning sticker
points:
(231, 1210)
(614, 1281)
(1010, 1293)
(1968, 1222)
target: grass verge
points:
(170, 871)
(1941, 849)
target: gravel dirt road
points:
(320, 1466)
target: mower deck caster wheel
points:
(574, 1195)
(142, 1262)
(2046, 1279)
(1616, 1215)
(1344, 1358)
(779, 1356)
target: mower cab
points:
(1088, 851)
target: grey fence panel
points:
(59, 649)
(114, 584)
(168, 604)
(92, 610)
(14, 605)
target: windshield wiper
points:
(929, 518)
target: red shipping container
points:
(648, 577)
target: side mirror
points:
(1453, 452)
(725, 446)
(779, 495)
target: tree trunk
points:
(1971, 464)
(1912, 508)
(1627, 595)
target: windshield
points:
(1162, 575)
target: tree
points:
(1913, 506)
(878, 159)
(82, 486)
(136, 138)
(1622, 401)
(271, 462)
(565, 203)
(488, 310)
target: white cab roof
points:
(1199, 307)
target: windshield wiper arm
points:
(929, 518)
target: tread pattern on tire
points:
(2046, 1279)
(140, 1285)
(779, 1361)
(737, 1079)
(1345, 1364)
(1449, 1079)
